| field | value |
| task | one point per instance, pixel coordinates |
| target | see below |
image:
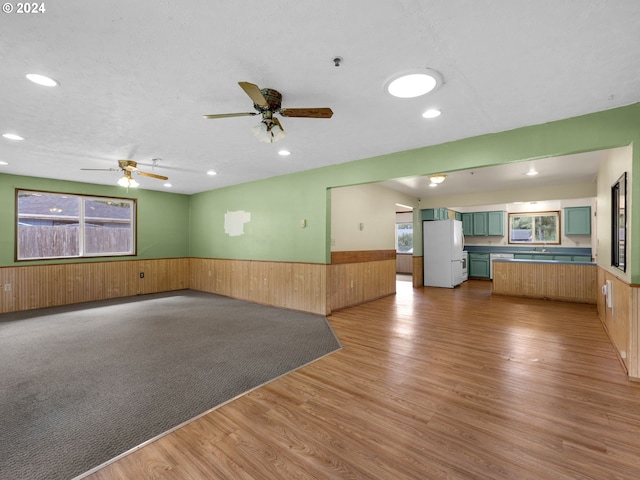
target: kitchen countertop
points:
(556, 262)
(528, 250)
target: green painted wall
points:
(278, 204)
(277, 207)
(163, 218)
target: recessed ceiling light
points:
(168, 185)
(3, 163)
(211, 172)
(42, 80)
(284, 153)
(431, 113)
(413, 83)
(531, 172)
(433, 185)
(12, 136)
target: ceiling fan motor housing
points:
(273, 98)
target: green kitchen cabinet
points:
(458, 216)
(479, 265)
(435, 214)
(577, 221)
(495, 223)
(480, 223)
(467, 224)
(581, 258)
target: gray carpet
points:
(80, 385)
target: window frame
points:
(619, 223)
(82, 198)
(549, 213)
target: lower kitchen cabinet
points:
(479, 265)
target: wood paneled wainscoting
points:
(360, 276)
(622, 319)
(554, 281)
(299, 286)
(39, 286)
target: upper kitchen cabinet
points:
(483, 223)
(435, 214)
(577, 221)
(467, 223)
(495, 223)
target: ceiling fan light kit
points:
(268, 131)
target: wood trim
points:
(418, 272)
(358, 256)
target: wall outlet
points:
(7, 287)
(141, 274)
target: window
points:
(58, 225)
(404, 237)
(534, 228)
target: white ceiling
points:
(136, 78)
(568, 169)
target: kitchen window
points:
(534, 228)
(58, 225)
(404, 237)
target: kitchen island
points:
(570, 281)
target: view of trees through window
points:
(540, 227)
(57, 225)
(404, 237)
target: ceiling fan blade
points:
(152, 175)
(102, 169)
(306, 112)
(254, 93)
(225, 115)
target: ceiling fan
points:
(267, 102)
(128, 167)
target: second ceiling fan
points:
(267, 103)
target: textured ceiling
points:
(136, 78)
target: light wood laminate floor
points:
(430, 384)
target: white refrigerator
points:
(443, 245)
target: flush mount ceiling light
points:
(284, 153)
(212, 172)
(438, 178)
(12, 136)
(431, 113)
(42, 80)
(413, 83)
